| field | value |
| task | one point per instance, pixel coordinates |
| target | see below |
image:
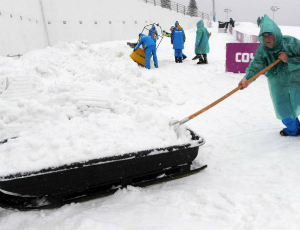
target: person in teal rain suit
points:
(149, 47)
(178, 39)
(258, 21)
(283, 78)
(201, 44)
(153, 33)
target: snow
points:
(252, 29)
(85, 100)
(247, 28)
(81, 99)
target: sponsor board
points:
(239, 56)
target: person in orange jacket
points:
(153, 33)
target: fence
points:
(179, 8)
(241, 37)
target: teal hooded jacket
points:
(283, 78)
(202, 36)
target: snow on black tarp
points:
(81, 107)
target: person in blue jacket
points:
(149, 47)
(153, 33)
(166, 34)
(178, 39)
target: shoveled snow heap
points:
(89, 97)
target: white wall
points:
(101, 20)
(21, 27)
(127, 19)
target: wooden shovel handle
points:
(233, 91)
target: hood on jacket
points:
(200, 24)
(141, 35)
(267, 25)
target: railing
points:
(179, 8)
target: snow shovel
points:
(186, 119)
(139, 56)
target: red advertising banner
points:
(239, 36)
(239, 55)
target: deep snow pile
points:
(252, 179)
(93, 99)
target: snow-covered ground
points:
(251, 28)
(76, 101)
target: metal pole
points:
(45, 25)
(227, 11)
(214, 11)
(274, 8)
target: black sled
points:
(54, 187)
